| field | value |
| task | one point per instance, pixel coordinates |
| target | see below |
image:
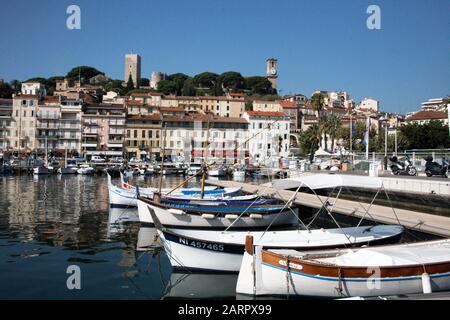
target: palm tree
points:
(318, 102)
(333, 125)
(314, 133)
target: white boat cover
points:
(393, 255)
(324, 181)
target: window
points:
(128, 133)
(150, 133)
(143, 134)
(135, 135)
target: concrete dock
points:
(413, 220)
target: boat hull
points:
(196, 250)
(186, 220)
(274, 283)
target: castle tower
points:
(133, 67)
(271, 71)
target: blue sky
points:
(322, 44)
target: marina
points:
(43, 221)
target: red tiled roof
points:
(428, 115)
(266, 114)
(286, 104)
(135, 103)
(26, 96)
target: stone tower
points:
(133, 67)
(271, 71)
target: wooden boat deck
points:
(414, 220)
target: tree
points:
(206, 80)
(116, 86)
(431, 135)
(178, 79)
(258, 85)
(318, 102)
(130, 84)
(85, 72)
(188, 88)
(144, 82)
(16, 85)
(333, 125)
(167, 87)
(6, 91)
(309, 141)
(232, 80)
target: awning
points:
(325, 181)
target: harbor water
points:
(50, 224)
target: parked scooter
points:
(402, 167)
(435, 169)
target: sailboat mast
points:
(46, 151)
(162, 158)
(205, 158)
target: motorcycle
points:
(435, 169)
(405, 167)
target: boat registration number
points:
(202, 245)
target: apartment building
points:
(103, 129)
(269, 135)
(198, 136)
(48, 124)
(6, 109)
(70, 125)
(267, 106)
(223, 106)
(23, 124)
(143, 134)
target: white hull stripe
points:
(441, 275)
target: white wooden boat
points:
(150, 191)
(127, 195)
(375, 271)
(85, 169)
(180, 218)
(194, 169)
(239, 175)
(68, 170)
(223, 251)
(217, 172)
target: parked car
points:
(97, 159)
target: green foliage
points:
(432, 135)
(167, 87)
(144, 82)
(259, 85)
(232, 80)
(6, 91)
(15, 85)
(309, 141)
(206, 80)
(318, 102)
(130, 84)
(116, 86)
(85, 72)
(188, 88)
(178, 79)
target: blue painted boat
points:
(219, 208)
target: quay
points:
(413, 220)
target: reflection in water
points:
(48, 223)
(201, 286)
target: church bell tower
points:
(271, 71)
